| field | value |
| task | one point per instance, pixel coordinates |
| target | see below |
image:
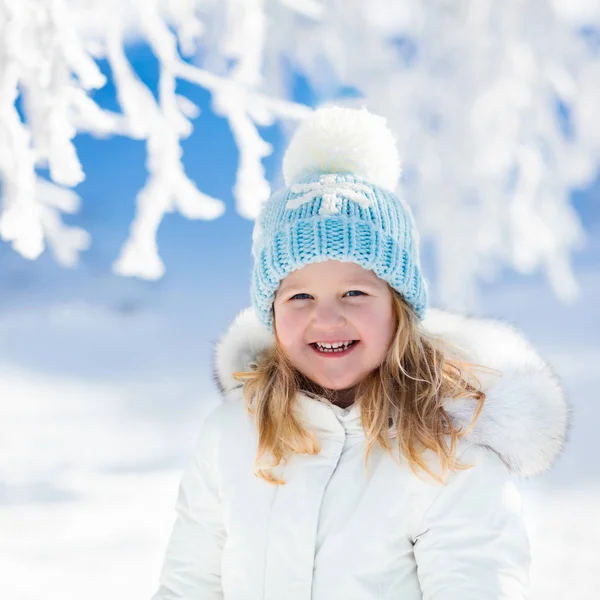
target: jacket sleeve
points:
(472, 543)
(192, 564)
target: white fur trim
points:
(335, 139)
(525, 417)
(239, 347)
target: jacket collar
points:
(525, 416)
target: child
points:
(366, 448)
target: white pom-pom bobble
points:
(335, 139)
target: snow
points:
(94, 438)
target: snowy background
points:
(105, 379)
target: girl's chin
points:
(336, 386)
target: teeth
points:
(335, 347)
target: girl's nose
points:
(328, 316)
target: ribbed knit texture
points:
(335, 216)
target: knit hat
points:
(341, 169)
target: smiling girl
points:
(335, 322)
(367, 446)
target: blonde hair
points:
(408, 390)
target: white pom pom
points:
(335, 139)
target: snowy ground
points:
(97, 421)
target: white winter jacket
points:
(338, 532)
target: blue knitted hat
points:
(341, 169)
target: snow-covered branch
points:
(494, 106)
(39, 57)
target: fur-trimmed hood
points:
(525, 418)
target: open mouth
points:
(329, 350)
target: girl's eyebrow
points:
(349, 283)
(285, 288)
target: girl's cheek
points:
(288, 324)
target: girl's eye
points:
(296, 296)
(355, 291)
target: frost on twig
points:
(65, 242)
(43, 57)
(40, 57)
(168, 187)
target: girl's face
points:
(331, 302)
